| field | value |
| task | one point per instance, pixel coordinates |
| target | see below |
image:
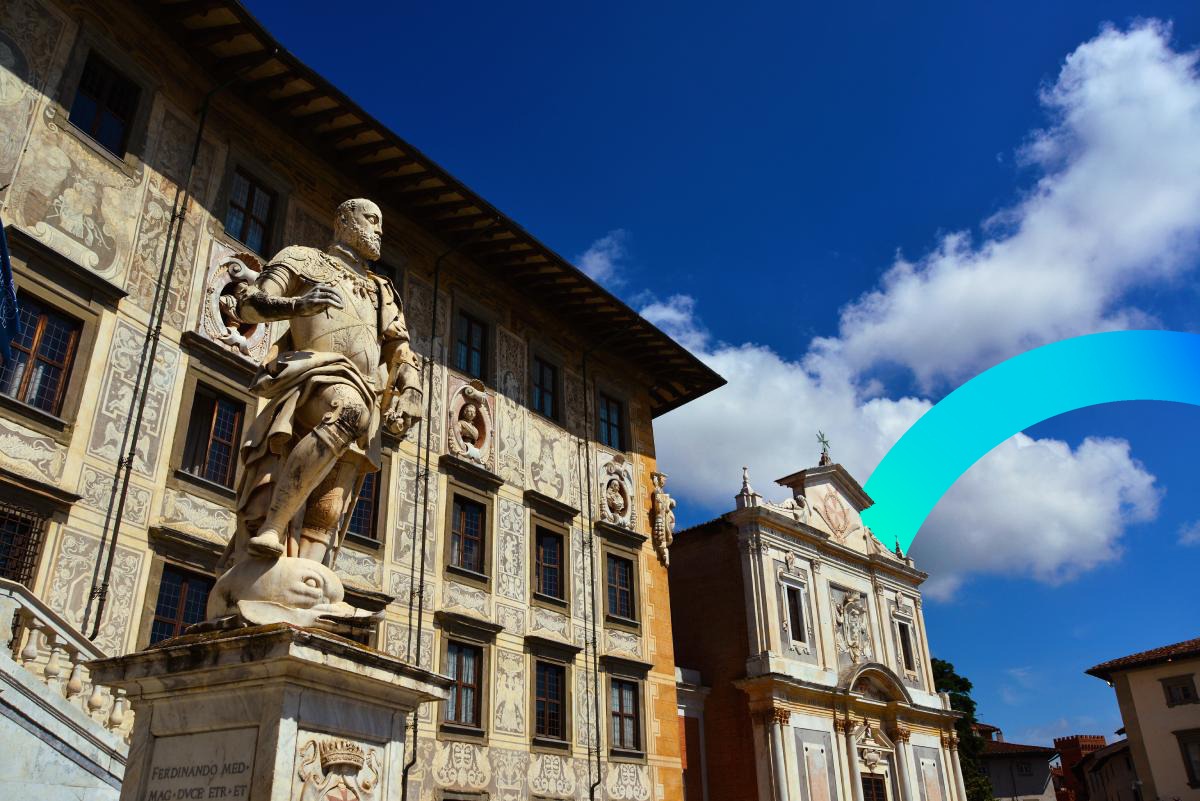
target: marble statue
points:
(662, 509)
(340, 376)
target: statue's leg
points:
(336, 417)
(323, 516)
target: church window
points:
(906, 646)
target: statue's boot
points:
(266, 543)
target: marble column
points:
(856, 791)
(900, 736)
(775, 719)
(951, 742)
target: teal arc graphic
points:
(1012, 396)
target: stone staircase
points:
(61, 736)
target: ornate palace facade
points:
(544, 594)
(804, 660)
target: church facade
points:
(516, 553)
(804, 662)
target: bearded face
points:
(359, 226)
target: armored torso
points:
(353, 330)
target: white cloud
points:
(1189, 534)
(602, 259)
(1031, 507)
(1116, 206)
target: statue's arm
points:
(278, 295)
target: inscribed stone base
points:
(271, 713)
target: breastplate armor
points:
(351, 330)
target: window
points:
(620, 587)
(213, 437)
(626, 715)
(1179, 690)
(464, 664)
(906, 649)
(470, 345)
(612, 423)
(366, 509)
(795, 612)
(545, 388)
(873, 788)
(550, 700)
(549, 564)
(21, 533)
(250, 213)
(41, 356)
(1024, 768)
(182, 599)
(466, 535)
(104, 104)
(1189, 747)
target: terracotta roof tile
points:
(1154, 656)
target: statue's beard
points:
(361, 241)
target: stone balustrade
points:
(49, 648)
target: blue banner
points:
(10, 321)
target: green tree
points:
(970, 744)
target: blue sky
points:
(848, 211)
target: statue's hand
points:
(317, 300)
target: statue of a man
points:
(341, 373)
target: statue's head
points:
(468, 412)
(358, 225)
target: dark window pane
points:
(464, 664)
(21, 534)
(549, 563)
(620, 587)
(182, 600)
(470, 345)
(549, 700)
(466, 535)
(362, 519)
(796, 627)
(104, 104)
(213, 437)
(42, 356)
(251, 207)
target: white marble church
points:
(805, 670)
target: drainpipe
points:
(133, 421)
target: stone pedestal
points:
(271, 713)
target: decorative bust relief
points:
(338, 770)
(852, 632)
(219, 320)
(615, 476)
(470, 423)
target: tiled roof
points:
(1001, 748)
(1154, 656)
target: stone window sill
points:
(461, 731)
(480, 580)
(43, 422)
(366, 543)
(626, 755)
(554, 744)
(630, 625)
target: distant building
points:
(1018, 772)
(1071, 751)
(1107, 774)
(1156, 691)
(807, 665)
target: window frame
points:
(202, 371)
(626, 545)
(482, 578)
(539, 523)
(1187, 680)
(612, 616)
(1186, 737)
(452, 641)
(178, 623)
(485, 326)
(372, 537)
(31, 553)
(605, 397)
(803, 645)
(638, 748)
(197, 455)
(256, 185)
(246, 159)
(540, 660)
(65, 368)
(90, 39)
(114, 74)
(537, 359)
(55, 281)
